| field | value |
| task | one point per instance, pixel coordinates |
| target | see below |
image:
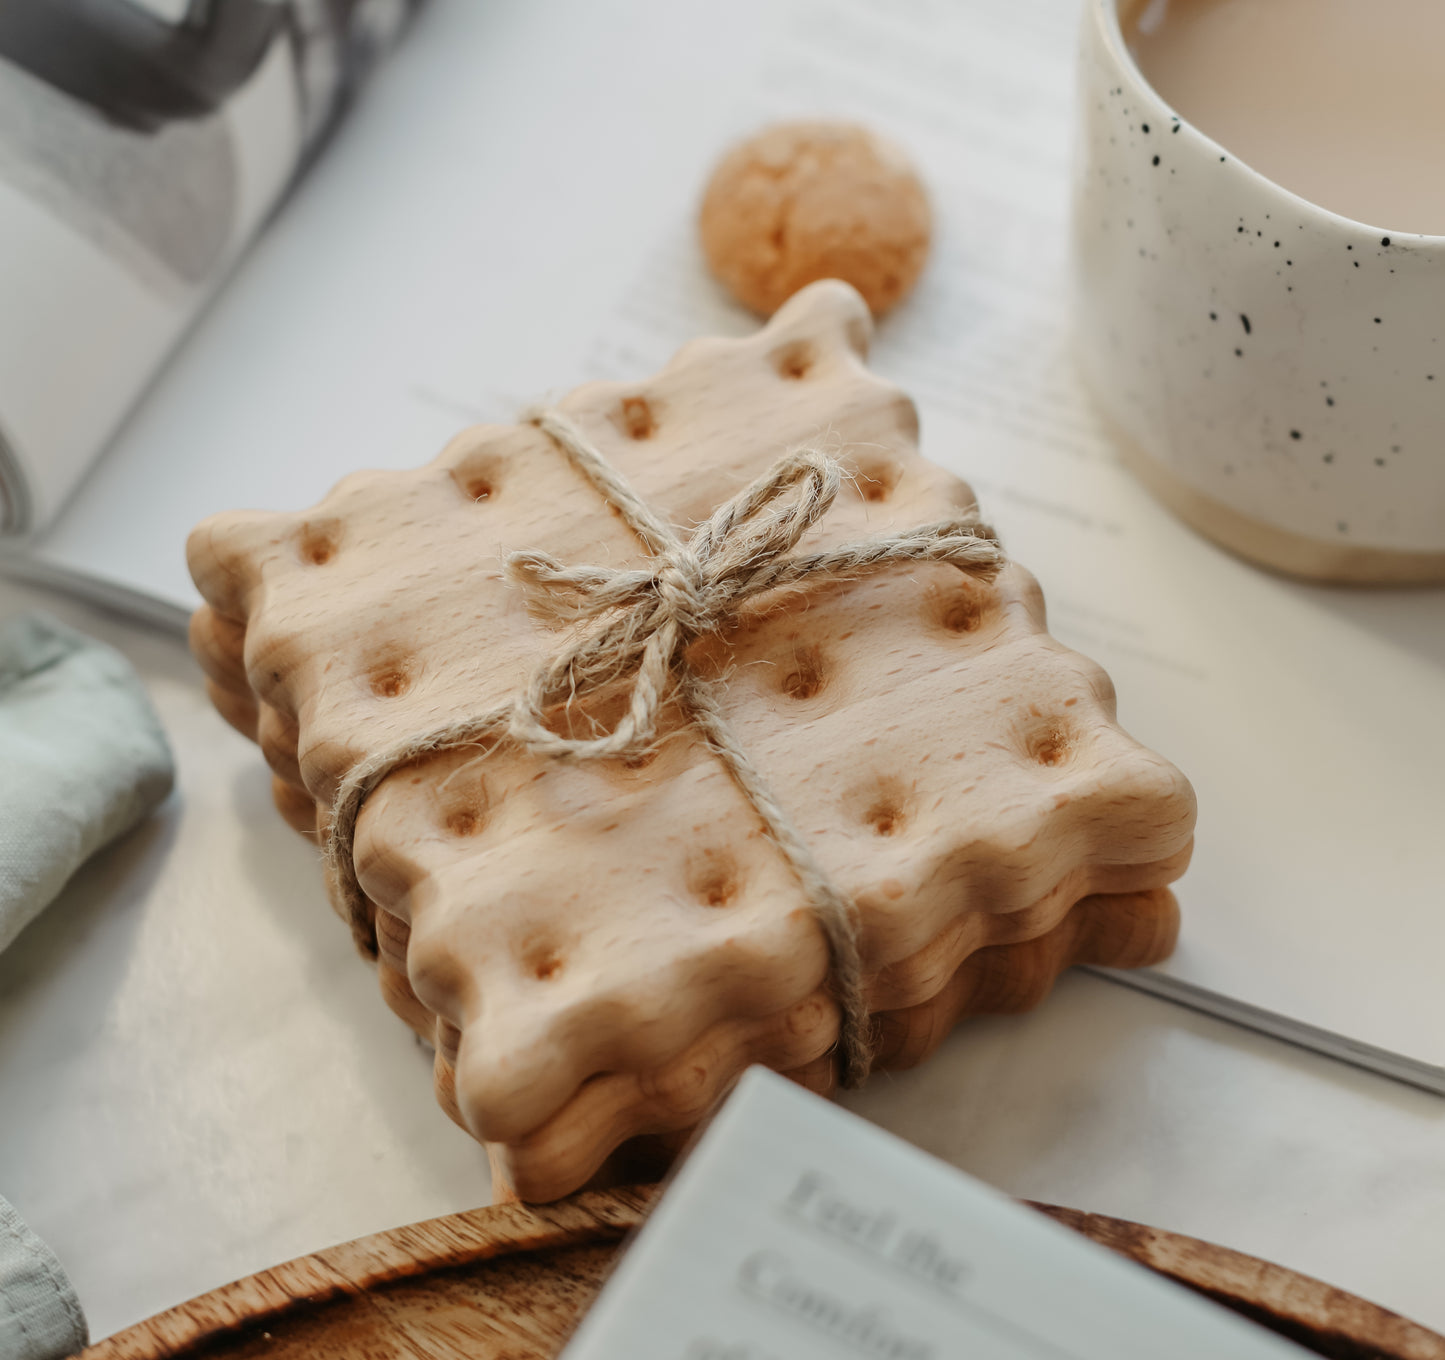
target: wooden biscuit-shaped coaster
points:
(587, 929)
(615, 1109)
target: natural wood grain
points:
(597, 949)
(525, 1268)
(1316, 1315)
(510, 1283)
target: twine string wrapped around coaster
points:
(642, 622)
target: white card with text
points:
(798, 1231)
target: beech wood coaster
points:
(596, 949)
(511, 1282)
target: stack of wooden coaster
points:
(598, 947)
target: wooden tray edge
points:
(1316, 1315)
(445, 1243)
(1306, 1310)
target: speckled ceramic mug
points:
(1275, 373)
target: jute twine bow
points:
(642, 621)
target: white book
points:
(460, 249)
(797, 1230)
(143, 143)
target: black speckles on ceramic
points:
(1272, 356)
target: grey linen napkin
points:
(40, 1317)
(82, 760)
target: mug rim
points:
(1112, 32)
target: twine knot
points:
(683, 590)
(689, 589)
(642, 621)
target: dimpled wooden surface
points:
(597, 949)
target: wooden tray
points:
(511, 1281)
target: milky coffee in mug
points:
(1259, 240)
(1339, 101)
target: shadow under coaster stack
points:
(597, 948)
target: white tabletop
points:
(198, 1078)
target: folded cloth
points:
(40, 1317)
(82, 759)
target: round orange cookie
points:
(804, 201)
